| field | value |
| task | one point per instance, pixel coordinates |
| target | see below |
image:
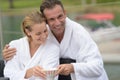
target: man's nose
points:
(57, 21)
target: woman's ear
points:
(27, 32)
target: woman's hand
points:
(39, 72)
(36, 71)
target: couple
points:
(65, 35)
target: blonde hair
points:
(34, 17)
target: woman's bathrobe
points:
(77, 44)
(47, 56)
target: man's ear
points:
(65, 13)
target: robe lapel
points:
(64, 45)
(25, 53)
(36, 58)
(66, 39)
(28, 61)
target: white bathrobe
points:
(77, 44)
(47, 56)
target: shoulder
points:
(51, 45)
(52, 48)
(74, 25)
(51, 42)
(77, 29)
(79, 33)
(17, 41)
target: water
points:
(113, 70)
(12, 30)
(11, 27)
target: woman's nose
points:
(43, 35)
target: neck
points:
(59, 37)
(33, 48)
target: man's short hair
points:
(49, 4)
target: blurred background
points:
(100, 17)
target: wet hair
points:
(49, 4)
(32, 18)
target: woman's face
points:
(38, 33)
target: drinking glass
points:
(50, 73)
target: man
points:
(74, 42)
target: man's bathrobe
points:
(77, 44)
(47, 56)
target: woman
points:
(35, 51)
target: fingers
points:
(39, 72)
(6, 46)
(60, 69)
(29, 73)
(66, 72)
(8, 53)
(65, 69)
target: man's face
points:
(55, 19)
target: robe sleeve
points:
(89, 63)
(12, 67)
(50, 59)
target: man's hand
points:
(65, 69)
(8, 53)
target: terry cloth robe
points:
(77, 44)
(47, 56)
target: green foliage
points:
(19, 4)
(106, 1)
(4, 4)
(116, 21)
(72, 4)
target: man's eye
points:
(60, 17)
(51, 19)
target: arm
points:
(89, 63)
(13, 68)
(51, 58)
